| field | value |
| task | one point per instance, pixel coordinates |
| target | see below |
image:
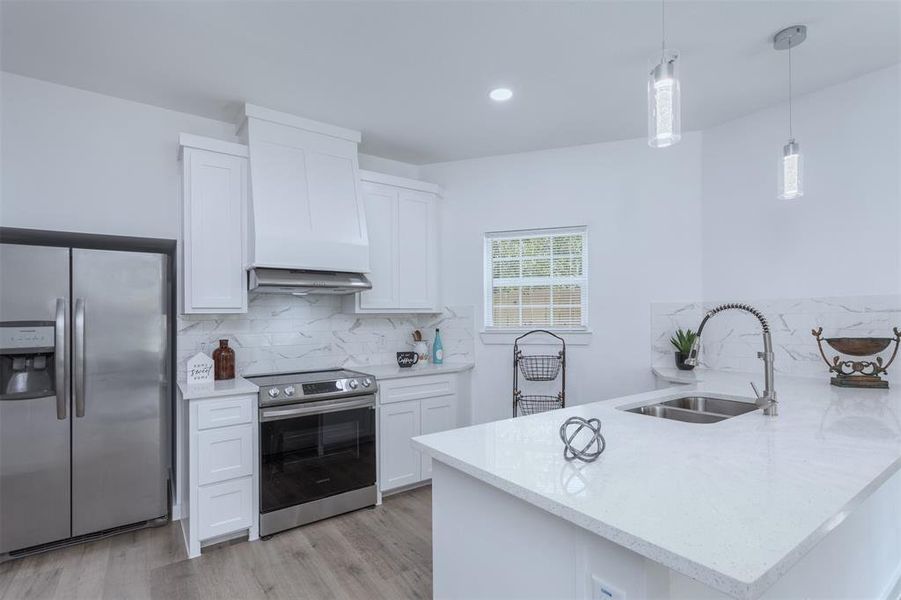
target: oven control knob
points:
(352, 384)
(289, 391)
(273, 392)
(367, 382)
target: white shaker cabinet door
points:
(224, 453)
(214, 220)
(437, 414)
(417, 250)
(381, 219)
(402, 220)
(400, 462)
(225, 507)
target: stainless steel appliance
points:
(298, 282)
(317, 446)
(84, 392)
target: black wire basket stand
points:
(538, 367)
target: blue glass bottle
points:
(437, 349)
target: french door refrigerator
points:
(84, 407)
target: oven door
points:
(313, 450)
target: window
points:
(536, 279)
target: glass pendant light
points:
(791, 164)
(664, 105)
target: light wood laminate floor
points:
(385, 552)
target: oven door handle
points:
(315, 408)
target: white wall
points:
(388, 166)
(73, 160)
(79, 161)
(642, 209)
(842, 237)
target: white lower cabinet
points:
(436, 414)
(224, 507)
(224, 453)
(400, 462)
(410, 407)
(221, 497)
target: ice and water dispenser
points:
(26, 359)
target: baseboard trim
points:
(406, 488)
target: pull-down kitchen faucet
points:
(767, 400)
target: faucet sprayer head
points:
(692, 359)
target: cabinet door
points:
(224, 507)
(381, 219)
(215, 201)
(225, 453)
(416, 250)
(437, 414)
(399, 462)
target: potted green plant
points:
(682, 342)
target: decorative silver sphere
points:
(589, 451)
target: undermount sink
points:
(695, 409)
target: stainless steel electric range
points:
(317, 446)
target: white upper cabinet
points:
(306, 203)
(402, 219)
(381, 217)
(214, 194)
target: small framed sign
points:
(200, 369)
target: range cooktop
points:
(309, 386)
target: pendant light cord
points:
(791, 134)
(662, 31)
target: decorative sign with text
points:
(200, 369)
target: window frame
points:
(488, 280)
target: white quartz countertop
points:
(216, 389)
(732, 504)
(395, 372)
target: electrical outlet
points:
(601, 590)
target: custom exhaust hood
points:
(307, 221)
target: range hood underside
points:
(300, 283)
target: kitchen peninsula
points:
(806, 504)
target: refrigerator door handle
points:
(79, 357)
(60, 356)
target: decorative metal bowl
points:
(853, 346)
(858, 373)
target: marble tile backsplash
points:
(288, 333)
(732, 339)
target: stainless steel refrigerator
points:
(86, 392)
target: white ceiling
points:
(414, 76)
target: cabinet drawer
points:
(416, 388)
(224, 412)
(225, 507)
(224, 453)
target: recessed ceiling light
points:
(501, 94)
